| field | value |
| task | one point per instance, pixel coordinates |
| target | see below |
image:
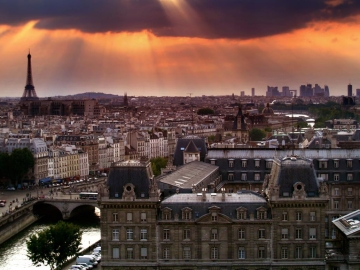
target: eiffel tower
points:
(29, 92)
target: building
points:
(202, 230)
(349, 93)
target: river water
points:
(13, 252)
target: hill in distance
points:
(88, 95)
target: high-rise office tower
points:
(350, 90)
(253, 92)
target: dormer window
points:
(323, 164)
(241, 213)
(166, 214)
(244, 163)
(262, 213)
(231, 163)
(186, 213)
(214, 217)
(349, 163)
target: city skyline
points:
(173, 48)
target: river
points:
(13, 252)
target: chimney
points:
(203, 195)
(223, 194)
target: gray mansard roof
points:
(129, 172)
(290, 170)
(248, 200)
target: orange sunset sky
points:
(176, 47)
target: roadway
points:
(16, 197)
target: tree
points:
(205, 111)
(54, 245)
(157, 164)
(257, 134)
(20, 162)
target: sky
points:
(178, 47)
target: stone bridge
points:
(67, 207)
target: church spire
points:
(29, 92)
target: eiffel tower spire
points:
(29, 92)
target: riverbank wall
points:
(16, 226)
(15, 221)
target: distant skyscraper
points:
(286, 91)
(358, 92)
(326, 91)
(350, 90)
(253, 92)
(242, 93)
(29, 91)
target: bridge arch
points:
(66, 208)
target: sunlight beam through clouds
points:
(142, 63)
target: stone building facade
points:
(202, 230)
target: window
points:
(143, 234)
(312, 252)
(241, 253)
(230, 176)
(214, 253)
(261, 233)
(285, 216)
(322, 164)
(268, 164)
(336, 204)
(298, 252)
(244, 176)
(349, 163)
(166, 253)
(116, 253)
(143, 253)
(241, 214)
(336, 164)
(284, 233)
(350, 204)
(241, 234)
(336, 191)
(115, 217)
(333, 233)
(166, 234)
(298, 233)
(212, 161)
(262, 214)
(336, 177)
(187, 253)
(261, 253)
(214, 217)
(115, 235)
(214, 234)
(129, 253)
(243, 163)
(186, 214)
(231, 163)
(166, 215)
(129, 217)
(186, 234)
(324, 176)
(129, 234)
(284, 253)
(312, 233)
(312, 216)
(298, 216)
(349, 177)
(257, 163)
(350, 191)
(143, 217)
(257, 176)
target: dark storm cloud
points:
(220, 18)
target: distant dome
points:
(267, 110)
